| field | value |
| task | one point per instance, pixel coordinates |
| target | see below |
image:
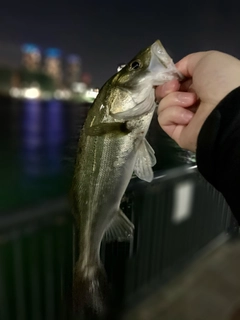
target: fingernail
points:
(185, 97)
(170, 86)
(164, 88)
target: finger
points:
(190, 133)
(187, 65)
(174, 115)
(181, 99)
(173, 120)
(168, 87)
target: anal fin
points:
(121, 228)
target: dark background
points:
(38, 141)
(106, 33)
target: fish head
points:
(132, 88)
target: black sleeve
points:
(218, 150)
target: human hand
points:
(185, 106)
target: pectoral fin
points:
(108, 127)
(121, 229)
(145, 161)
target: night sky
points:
(106, 33)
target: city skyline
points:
(11, 53)
(107, 33)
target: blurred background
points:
(54, 57)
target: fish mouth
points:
(161, 63)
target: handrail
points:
(48, 208)
(162, 176)
(61, 205)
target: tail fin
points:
(90, 293)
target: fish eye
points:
(135, 65)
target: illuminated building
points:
(31, 57)
(73, 70)
(53, 65)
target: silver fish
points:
(112, 146)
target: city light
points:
(31, 93)
(30, 48)
(27, 93)
(92, 93)
(53, 53)
(62, 94)
(73, 69)
(31, 57)
(79, 87)
(73, 58)
(53, 65)
(47, 75)
(15, 92)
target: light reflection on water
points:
(31, 137)
(35, 138)
(43, 133)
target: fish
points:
(113, 146)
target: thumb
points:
(188, 64)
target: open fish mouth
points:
(137, 101)
(161, 65)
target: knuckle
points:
(176, 113)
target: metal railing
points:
(175, 216)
